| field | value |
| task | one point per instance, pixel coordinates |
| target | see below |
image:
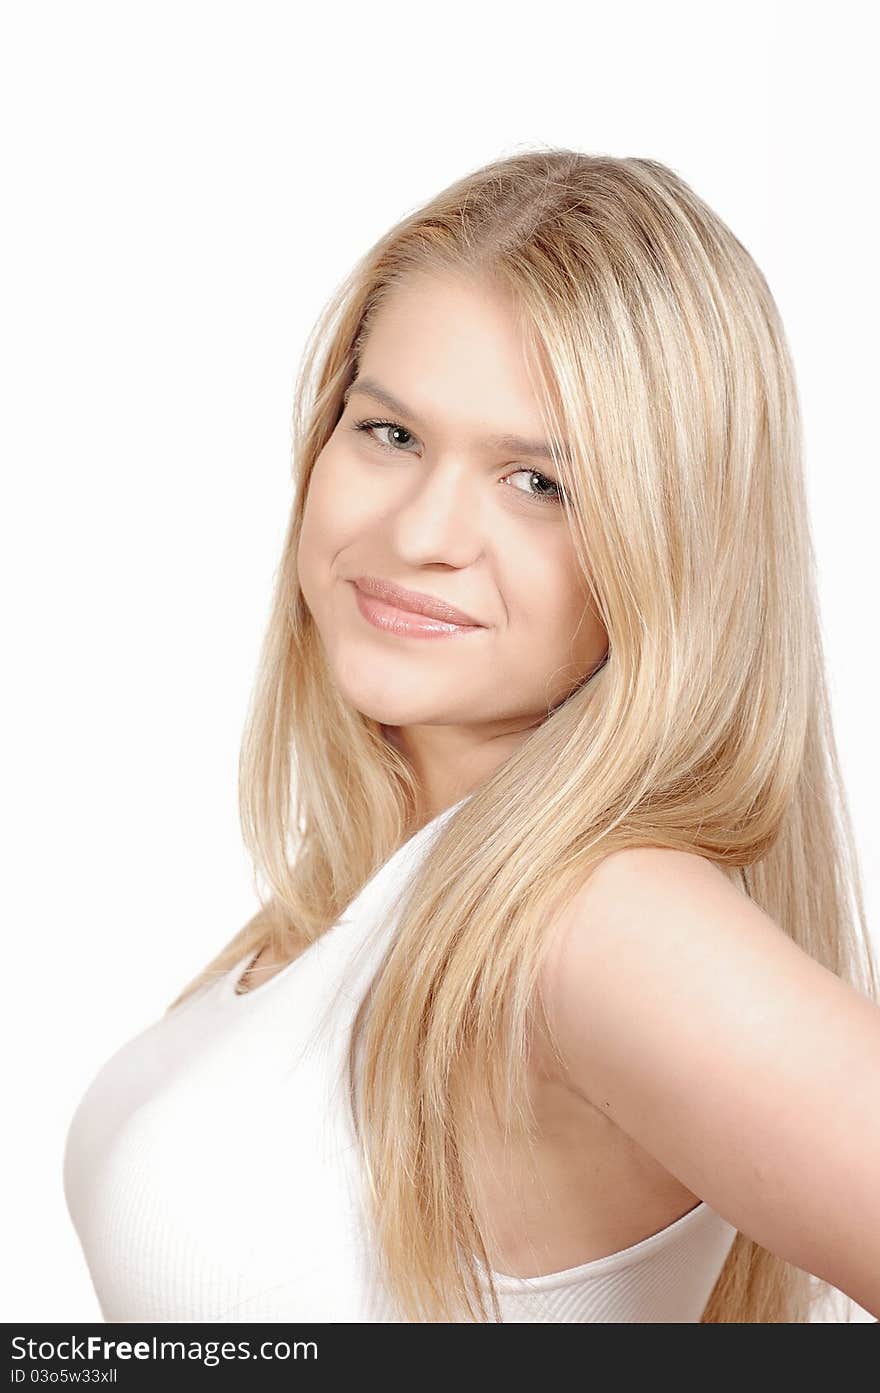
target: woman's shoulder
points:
(640, 889)
(701, 1029)
(653, 931)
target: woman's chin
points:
(384, 709)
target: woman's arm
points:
(747, 1069)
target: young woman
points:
(560, 1003)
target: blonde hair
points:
(656, 349)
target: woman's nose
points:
(441, 514)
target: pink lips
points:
(409, 613)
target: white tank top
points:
(211, 1170)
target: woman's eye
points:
(546, 490)
(369, 426)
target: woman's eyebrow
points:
(369, 387)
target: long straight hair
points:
(655, 347)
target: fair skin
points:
(703, 1054)
(694, 1023)
(440, 511)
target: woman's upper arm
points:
(747, 1069)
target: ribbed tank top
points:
(211, 1169)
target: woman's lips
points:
(405, 623)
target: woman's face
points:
(431, 503)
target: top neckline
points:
(612, 1262)
(228, 983)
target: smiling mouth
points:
(414, 601)
(406, 623)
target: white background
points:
(184, 184)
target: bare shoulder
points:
(654, 900)
(748, 1070)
